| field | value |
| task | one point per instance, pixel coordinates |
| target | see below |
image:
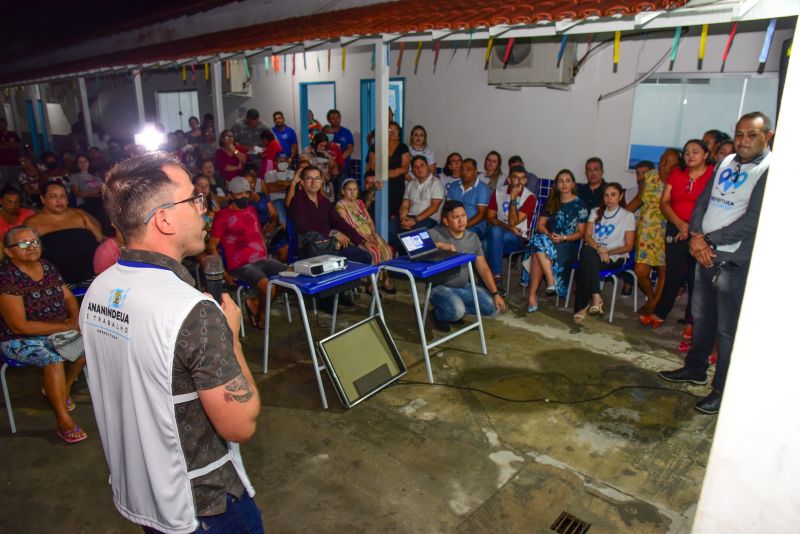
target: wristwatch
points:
(708, 241)
(495, 293)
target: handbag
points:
(68, 344)
(312, 244)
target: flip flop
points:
(70, 404)
(252, 317)
(73, 435)
(532, 309)
(550, 291)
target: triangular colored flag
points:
(437, 47)
(416, 59)
(400, 56)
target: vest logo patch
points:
(730, 180)
(117, 298)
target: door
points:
(174, 108)
(397, 100)
(316, 99)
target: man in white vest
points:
(172, 393)
(723, 228)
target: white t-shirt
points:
(501, 179)
(427, 152)
(420, 195)
(609, 232)
(447, 180)
(278, 176)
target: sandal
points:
(596, 309)
(550, 290)
(73, 435)
(70, 405)
(579, 317)
(532, 308)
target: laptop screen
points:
(417, 242)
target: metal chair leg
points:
(239, 302)
(7, 399)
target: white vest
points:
(130, 319)
(730, 195)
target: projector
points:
(320, 265)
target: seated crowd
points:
(257, 185)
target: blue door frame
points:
(397, 92)
(37, 144)
(303, 126)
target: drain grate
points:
(569, 524)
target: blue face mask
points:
(330, 137)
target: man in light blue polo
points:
(473, 194)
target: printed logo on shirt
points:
(730, 180)
(603, 230)
(117, 298)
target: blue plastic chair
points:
(614, 275)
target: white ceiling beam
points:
(564, 25)
(744, 7)
(643, 18)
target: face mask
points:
(283, 165)
(330, 137)
(241, 203)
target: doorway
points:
(397, 103)
(174, 108)
(317, 98)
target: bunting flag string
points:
(400, 56)
(319, 66)
(469, 43)
(227, 70)
(453, 53)
(266, 63)
(183, 73)
(509, 46)
(206, 70)
(561, 50)
(617, 39)
(246, 68)
(762, 58)
(372, 59)
(388, 55)
(344, 58)
(294, 63)
(193, 75)
(285, 63)
(728, 44)
(305, 66)
(437, 47)
(701, 52)
(675, 42)
(329, 60)
(488, 53)
(416, 59)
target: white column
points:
(752, 480)
(87, 118)
(216, 96)
(382, 138)
(137, 85)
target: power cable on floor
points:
(544, 399)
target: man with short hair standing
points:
(247, 132)
(592, 191)
(344, 138)
(171, 390)
(285, 135)
(723, 229)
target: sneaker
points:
(684, 374)
(710, 404)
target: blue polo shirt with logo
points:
(286, 137)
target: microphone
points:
(213, 272)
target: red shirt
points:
(239, 233)
(683, 196)
(222, 160)
(5, 226)
(271, 151)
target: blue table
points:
(424, 271)
(313, 286)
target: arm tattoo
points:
(238, 390)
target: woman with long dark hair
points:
(451, 172)
(683, 188)
(608, 240)
(553, 248)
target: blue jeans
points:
(452, 303)
(240, 516)
(500, 241)
(280, 207)
(715, 308)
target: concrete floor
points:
(420, 458)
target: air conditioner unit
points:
(237, 84)
(533, 63)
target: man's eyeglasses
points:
(198, 199)
(25, 245)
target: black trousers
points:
(680, 267)
(587, 276)
(717, 301)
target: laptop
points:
(419, 246)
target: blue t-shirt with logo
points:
(477, 195)
(286, 137)
(344, 137)
(609, 229)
